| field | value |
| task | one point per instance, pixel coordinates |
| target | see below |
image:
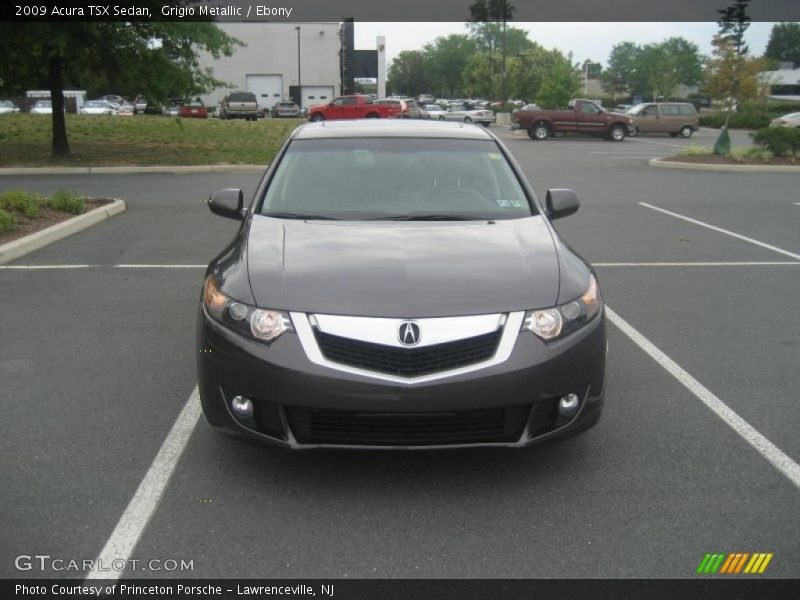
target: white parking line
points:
(23, 267)
(699, 264)
(36, 267)
(634, 156)
(763, 446)
(721, 230)
(134, 520)
(160, 266)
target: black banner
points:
(406, 589)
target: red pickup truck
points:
(582, 116)
(351, 107)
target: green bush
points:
(695, 151)
(778, 141)
(7, 220)
(67, 201)
(749, 117)
(19, 200)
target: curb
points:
(177, 169)
(669, 164)
(40, 239)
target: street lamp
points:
(299, 84)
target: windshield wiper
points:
(429, 217)
(299, 216)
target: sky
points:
(585, 40)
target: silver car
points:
(433, 111)
(790, 120)
(461, 112)
(8, 107)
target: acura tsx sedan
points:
(398, 284)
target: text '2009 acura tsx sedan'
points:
(399, 285)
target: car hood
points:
(405, 270)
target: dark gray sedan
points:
(397, 284)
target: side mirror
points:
(227, 203)
(561, 203)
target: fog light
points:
(568, 404)
(243, 407)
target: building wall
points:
(271, 49)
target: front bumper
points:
(300, 404)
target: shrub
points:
(740, 154)
(779, 141)
(749, 117)
(68, 202)
(7, 220)
(695, 151)
(19, 200)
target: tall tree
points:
(410, 73)
(620, 75)
(784, 44)
(484, 13)
(561, 83)
(732, 75)
(151, 57)
(447, 58)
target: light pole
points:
(299, 84)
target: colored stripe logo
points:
(734, 563)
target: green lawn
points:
(142, 140)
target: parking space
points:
(97, 363)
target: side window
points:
(686, 110)
(669, 110)
(349, 101)
(650, 111)
(337, 102)
(589, 108)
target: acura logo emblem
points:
(408, 333)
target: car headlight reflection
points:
(257, 323)
(552, 323)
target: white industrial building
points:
(277, 59)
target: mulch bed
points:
(713, 159)
(47, 218)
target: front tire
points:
(617, 133)
(372, 116)
(539, 131)
(686, 131)
(316, 117)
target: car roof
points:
(390, 128)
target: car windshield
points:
(96, 105)
(636, 109)
(42, 104)
(397, 179)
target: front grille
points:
(408, 362)
(323, 426)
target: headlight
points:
(552, 323)
(257, 323)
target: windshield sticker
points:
(494, 156)
(511, 203)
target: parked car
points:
(97, 107)
(42, 107)
(355, 106)
(414, 111)
(143, 106)
(194, 110)
(125, 110)
(114, 99)
(425, 99)
(285, 109)
(432, 111)
(239, 105)
(580, 117)
(623, 108)
(790, 120)
(462, 112)
(400, 106)
(442, 309)
(674, 118)
(173, 109)
(7, 107)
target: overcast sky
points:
(584, 40)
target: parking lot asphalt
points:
(97, 363)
